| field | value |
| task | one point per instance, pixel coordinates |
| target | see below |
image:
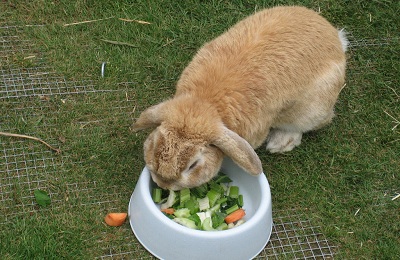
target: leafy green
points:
(217, 219)
(186, 222)
(200, 191)
(42, 198)
(206, 205)
(234, 192)
(207, 224)
(193, 205)
(213, 196)
(222, 178)
(184, 196)
(196, 219)
(182, 213)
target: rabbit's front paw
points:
(280, 141)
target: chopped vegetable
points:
(222, 178)
(193, 205)
(115, 219)
(211, 206)
(196, 219)
(207, 224)
(202, 216)
(232, 209)
(186, 222)
(217, 188)
(235, 216)
(204, 203)
(169, 211)
(184, 196)
(182, 213)
(156, 195)
(214, 209)
(223, 226)
(170, 200)
(234, 192)
(213, 196)
(222, 200)
(240, 200)
(239, 222)
(230, 202)
(217, 219)
(200, 191)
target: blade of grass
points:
(119, 43)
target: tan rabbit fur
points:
(272, 76)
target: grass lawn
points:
(343, 177)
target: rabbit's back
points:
(262, 66)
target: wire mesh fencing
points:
(27, 95)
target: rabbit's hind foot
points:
(280, 140)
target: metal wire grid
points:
(128, 248)
(293, 237)
(28, 168)
(38, 81)
(88, 194)
(26, 165)
(24, 172)
(355, 42)
(23, 169)
(11, 43)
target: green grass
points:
(343, 177)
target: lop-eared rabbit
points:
(271, 77)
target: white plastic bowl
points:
(166, 239)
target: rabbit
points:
(270, 78)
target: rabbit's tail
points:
(343, 39)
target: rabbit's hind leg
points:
(281, 140)
(285, 137)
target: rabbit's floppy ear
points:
(239, 150)
(150, 118)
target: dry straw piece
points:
(396, 197)
(135, 21)
(31, 138)
(97, 20)
(88, 21)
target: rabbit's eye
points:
(193, 165)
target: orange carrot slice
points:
(115, 219)
(169, 211)
(235, 216)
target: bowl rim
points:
(145, 184)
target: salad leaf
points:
(42, 198)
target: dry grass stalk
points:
(132, 20)
(31, 138)
(88, 21)
(396, 121)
